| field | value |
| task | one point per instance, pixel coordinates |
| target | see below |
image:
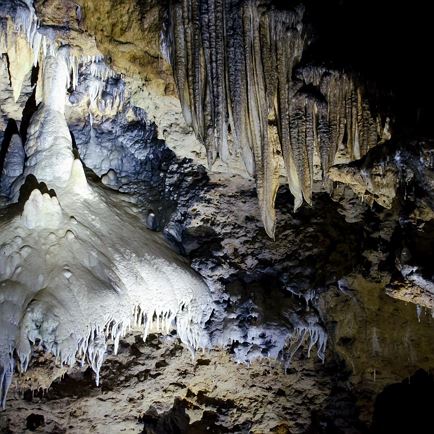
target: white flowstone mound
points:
(78, 271)
(78, 268)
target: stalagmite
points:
(237, 66)
(48, 146)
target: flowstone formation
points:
(74, 272)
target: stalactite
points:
(25, 46)
(238, 64)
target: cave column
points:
(49, 145)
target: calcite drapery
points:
(238, 69)
(69, 279)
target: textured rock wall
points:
(128, 33)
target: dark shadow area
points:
(405, 407)
(174, 421)
(420, 247)
(74, 146)
(35, 75)
(80, 384)
(339, 414)
(11, 129)
(34, 421)
(177, 421)
(29, 110)
(386, 42)
(30, 184)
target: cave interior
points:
(216, 216)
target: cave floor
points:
(207, 393)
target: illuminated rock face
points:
(78, 272)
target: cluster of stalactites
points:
(236, 66)
(21, 41)
(26, 47)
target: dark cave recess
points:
(385, 42)
(405, 407)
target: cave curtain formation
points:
(239, 71)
